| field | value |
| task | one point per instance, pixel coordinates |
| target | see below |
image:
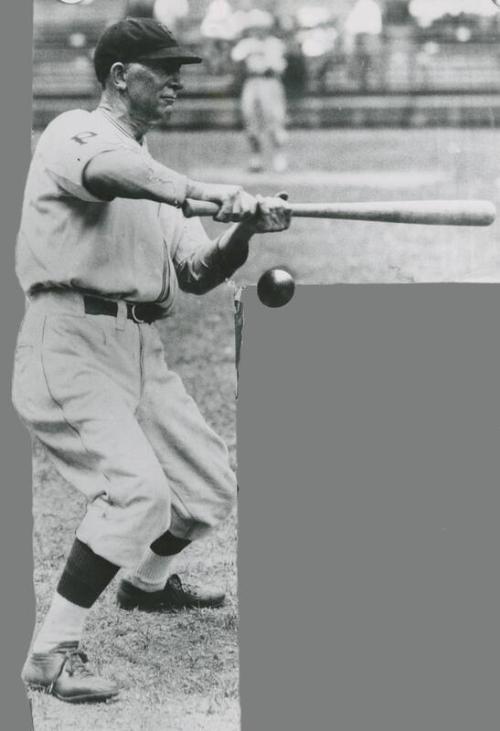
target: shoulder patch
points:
(83, 137)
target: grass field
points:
(180, 672)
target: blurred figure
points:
(218, 28)
(140, 8)
(263, 101)
(363, 29)
(318, 45)
(170, 12)
(295, 76)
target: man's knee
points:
(149, 504)
(156, 499)
(121, 528)
(216, 506)
(224, 501)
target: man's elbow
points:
(196, 283)
(193, 286)
(96, 182)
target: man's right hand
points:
(235, 204)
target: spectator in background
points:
(295, 76)
(139, 8)
(218, 28)
(263, 101)
(363, 29)
(318, 43)
(170, 12)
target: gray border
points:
(368, 463)
(16, 561)
(17, 603)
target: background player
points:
(263, 99)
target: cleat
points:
(64, 673)
(171, 598)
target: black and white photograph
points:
(182, 151)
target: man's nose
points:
(175, 82)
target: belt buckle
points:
(134, 316)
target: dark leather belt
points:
(140, 312)
(264, 75)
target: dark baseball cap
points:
(138, 40)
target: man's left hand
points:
(271, 214)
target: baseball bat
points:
(430, 212)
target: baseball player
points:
(263, 99)
(103, 247)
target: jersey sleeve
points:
(198, 261)
(68, 145)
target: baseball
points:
(276, 287)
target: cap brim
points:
(181, 55)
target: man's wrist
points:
(199, 191)
(175, 191)
(195, 190)
(212, 192)
(246, 230)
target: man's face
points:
(152, 90)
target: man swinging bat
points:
(106, 240)
(102, 249)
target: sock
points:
(64, 622)
(156, 565)
(85, 575)
(84, 578)
(153, 572)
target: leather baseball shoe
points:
(172, 597)
(63, 672)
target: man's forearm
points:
(232, 246)
(115, 174)
(218, 261)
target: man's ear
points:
(118, 75)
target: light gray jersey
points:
(135, 250)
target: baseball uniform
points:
(263, 101)
(95, 388)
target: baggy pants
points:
(263, 106)
(120, 427)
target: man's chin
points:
(162, 118)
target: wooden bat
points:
(431, 212)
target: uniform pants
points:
(120, 427)
(263, 106)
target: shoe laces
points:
(76, 664)
(174, 582)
